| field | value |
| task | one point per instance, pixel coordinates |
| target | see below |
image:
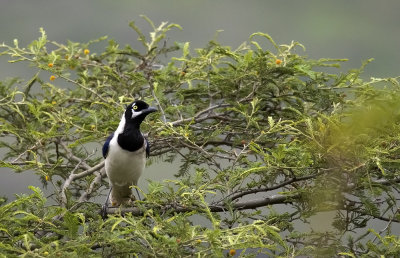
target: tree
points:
(265, 137)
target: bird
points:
(125, 152)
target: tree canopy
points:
(265, 139)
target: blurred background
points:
(357, 30)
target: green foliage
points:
(266, 139)
(28, 228)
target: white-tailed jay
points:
(125, 153)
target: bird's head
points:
(137, 111)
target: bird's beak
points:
(149, 110)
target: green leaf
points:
(186, 49)
(155, 187)
(265, 35)
(142, 38)
(271, 121)
(71, 222)
(347, 254)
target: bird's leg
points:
(130, 201)
(105, 206)
(137, 191)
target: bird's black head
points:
(137, 111)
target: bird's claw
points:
(104, 213)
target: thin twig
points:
(267, 189)
(83, 87)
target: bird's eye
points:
(135, 107)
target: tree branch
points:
(96, 182)
(267, 189)
(244, 205)
(89, 170)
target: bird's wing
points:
(147, 147)
(107, 145)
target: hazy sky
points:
(357, 29)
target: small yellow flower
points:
(53, 102)
(92, 127)
(278, 61)
(86, 51)
(232, 252)
(47, 178)
(45, 253)
(52, 78)
(50, 65)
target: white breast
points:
(123, 167)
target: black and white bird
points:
(125, 153)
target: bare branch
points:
(73, 177)
(96, 182)
(71, 156)
(89, 170)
